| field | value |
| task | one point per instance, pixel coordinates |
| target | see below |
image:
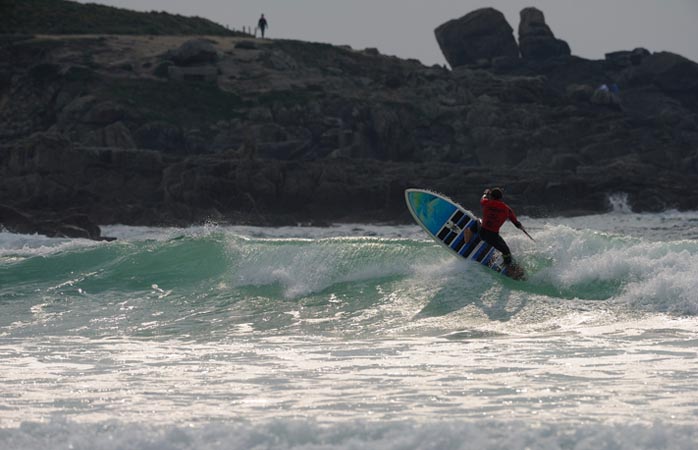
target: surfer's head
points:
(496, 193)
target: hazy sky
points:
(406, 27)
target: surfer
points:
(494, 213)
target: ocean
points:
(352, 337)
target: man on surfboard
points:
(494, 213)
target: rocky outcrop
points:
(286, 131)
(194, 52)
(668, 71)
(626, 58)
(536, 40)
(69, 226)
(482, 35)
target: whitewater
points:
(352, 337)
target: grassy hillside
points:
(67, 17)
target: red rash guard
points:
(495, 213)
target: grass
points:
(67, 17)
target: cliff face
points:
(162, 130)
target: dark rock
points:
(105, 113)
(80, 74)
(506, 62)
(638, 55)
(162, 136)
(11, 38)
(649, 201)
(279, 60)
(566, 161)
(246, 45)
(299, 132)
(536, 40)
(38, 153)
(626, 58)
(669, 71)
(162, 70)
(76, 110)
(47, 174)
(524, 90)
(44, 72)
(15, 221)
(117, 135)
(579, 92)
(483, 34)
(79, 226)
(5, 76)
(604, 149)
(285, 151)
(195, 52)
(606, 97)
(394, 81)
(203, 74)
(619, 59)
(72, 226)
(647, 103)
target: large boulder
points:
(536, 40)
(194, 52)
(483, 34)
(116, 135)
(104, 113)
(70, 226)
(668, 71)
(626, 58)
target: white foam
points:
(60, 434)
(305, 266)
(659, 276)
(27, 245)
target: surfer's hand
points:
(519, 225)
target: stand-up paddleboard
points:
(455, 228)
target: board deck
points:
(455, 228)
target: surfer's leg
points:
(504, 248)
(467, 235)
(496, 241)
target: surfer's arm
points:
(514, 220)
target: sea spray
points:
(619, 203)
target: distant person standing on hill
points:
(262, 24)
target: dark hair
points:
(496, 193)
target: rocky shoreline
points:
(175, 130)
